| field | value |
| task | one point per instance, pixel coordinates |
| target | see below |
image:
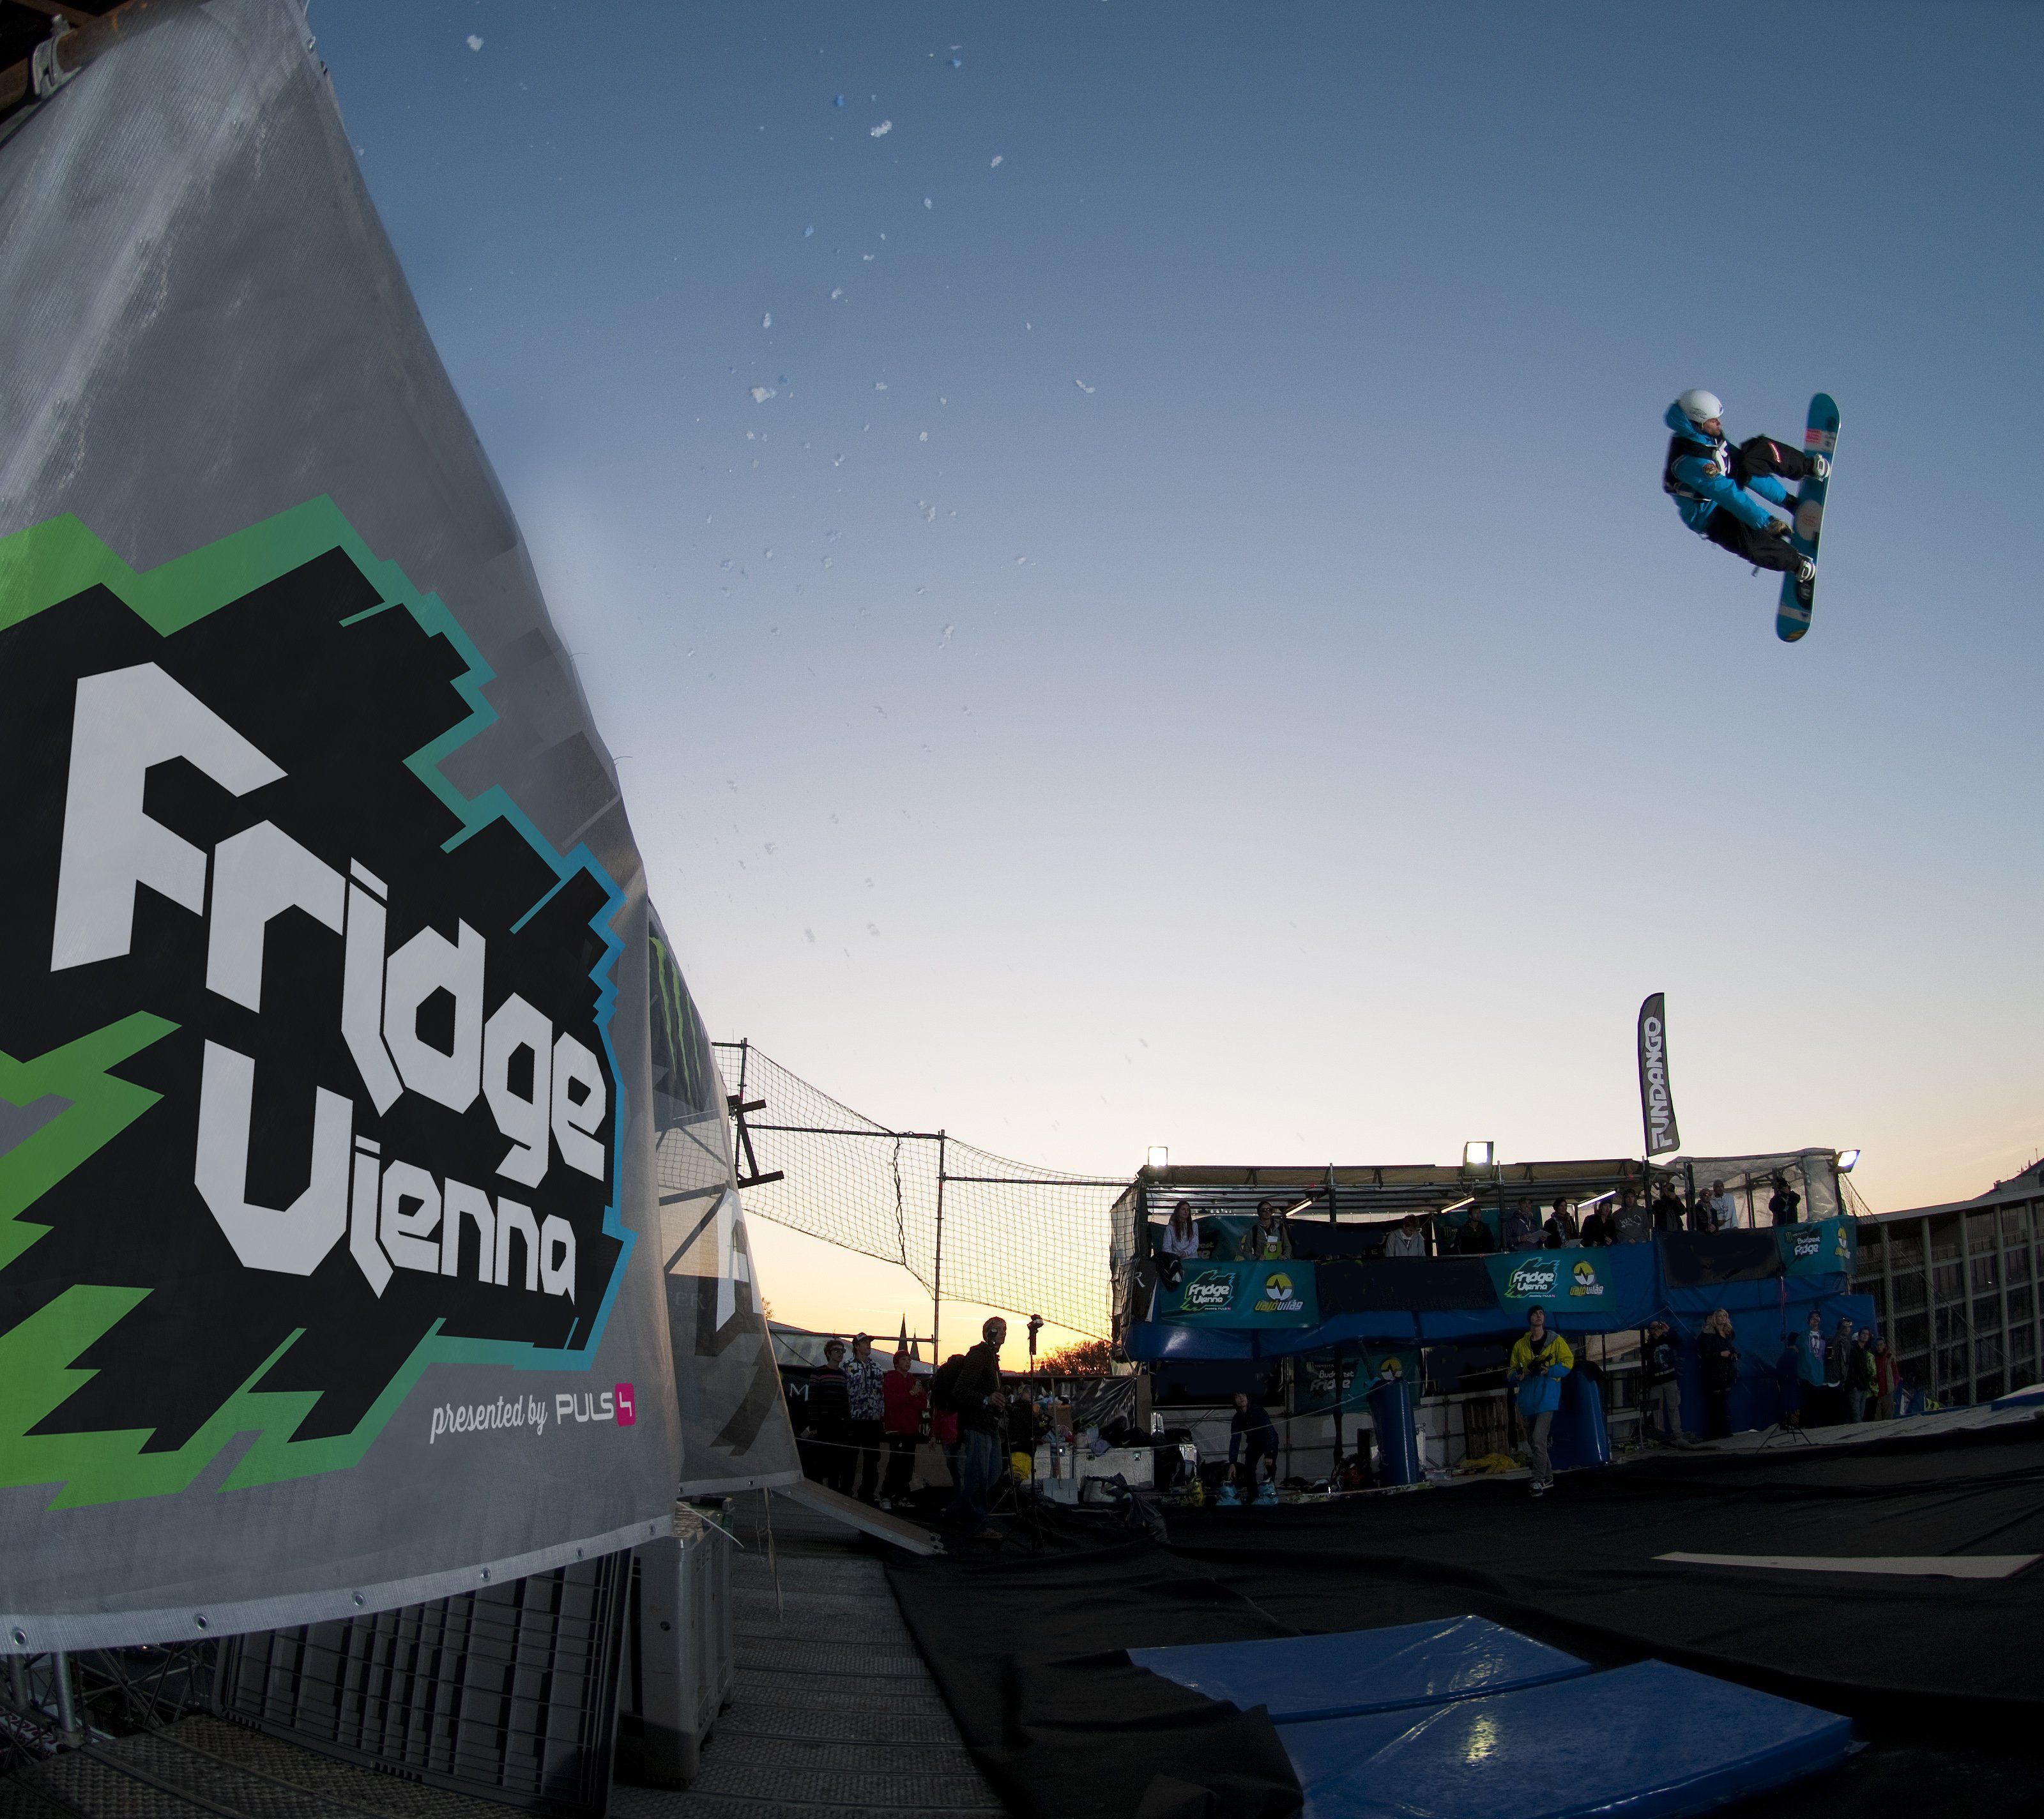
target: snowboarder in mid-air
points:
(1719, 489)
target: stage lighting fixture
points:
(1478, 1155)
(1848, 1159)
(1160, 1156)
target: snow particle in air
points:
(838, 102)
(927, 203)
(809, 935)
(808, 233)
(474, 43)
(946, 639)
(995, 164)
(923, 437)
(885, 128)
(837, 296)
(766, 321)
(760, 395)
(880, 385)
(1083, 386)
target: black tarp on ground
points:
(1944, 1677)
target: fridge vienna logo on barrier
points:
(1529, 1281)
(1211, 1292)
(305, 1054)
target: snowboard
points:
(1820, 436)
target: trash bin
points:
(1397, 1445)
(1579, 1437)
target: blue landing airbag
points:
(1645, 1742)
(1302, 1677)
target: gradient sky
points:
(1193, 649)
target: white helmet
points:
(1699, 407)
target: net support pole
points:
(937, 1270)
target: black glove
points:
(1779, 527)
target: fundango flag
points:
(340, 1054)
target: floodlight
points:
(1160, 1156)
(1848, 1159)
(1478, 1155)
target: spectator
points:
(1540, 1361)
(1883, 1382)
(1859, 1375)
(1718, 1358)
(1561, 1229)
(1252, 1432)
(1596, 1227)
(1784, 1204)
(864, 1381)
(1810, 1367)
(830, 1421)
(1662, 1406)
(903, 1400)
(982, 1407)
(1474, 1239)
(1408, 1240)
(1631, 1223)
(1838, 1363)
(1723, 1211)
(1669, 1213)
(1268, 1239)
(1181, 1238)
(1522, 1227)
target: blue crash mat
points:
(1302, 1677)
(1638, 1743)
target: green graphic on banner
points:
(1242, 1294)
(1313, 1380)
(1823, 1247)
(1567, 1279)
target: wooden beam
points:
(96, 34)
(55, 10)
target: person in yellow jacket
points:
(1540, 1361)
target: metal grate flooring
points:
(834, 1715)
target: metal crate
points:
(678, 1665)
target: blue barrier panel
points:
(1648, 1742)
(1302, 1677)
(1580, 1437)
(1390, 1401)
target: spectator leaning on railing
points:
(1723, 1211)
(1408, 1240)
(1181, 1237)
(1561, 1231)
(1631, 1223)
(1474, 1238)
(1669, 1213)
(1522, 1227)
(1268, 1240)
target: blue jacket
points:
(1540, 1391)
(1704, 473)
